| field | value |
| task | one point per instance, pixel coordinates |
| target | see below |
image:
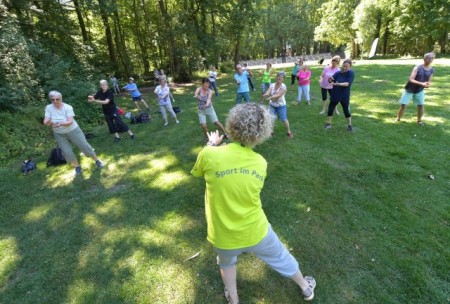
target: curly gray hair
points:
(249, 124)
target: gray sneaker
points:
(308, 294)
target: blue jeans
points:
(213, 85)
(279, 112)
(245, 95)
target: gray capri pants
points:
(169, 109)
(270, 250)
(76, 137)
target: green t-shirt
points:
(266, 76)
(234, 178)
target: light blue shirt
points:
(243, 79)
(132, 88)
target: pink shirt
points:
(302, 75)
(327, 73)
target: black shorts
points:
(324, 93)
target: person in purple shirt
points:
(419, 80)
(341, 82)
(132, 88)
(325, 86)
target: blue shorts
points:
(279, 112)
(418, 98)
(139, 98)
(245, 95)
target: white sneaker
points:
(308, 294)
(166, 123)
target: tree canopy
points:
(74, 39)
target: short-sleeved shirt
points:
(296, 69)
(163, 95)
(202, 99)
(339, 93)
(234, 178)
(266, 76)
(282, 100)
(328, 72)
(114, 81)
(243, 79)
(61, 115)
(110, 107)
(302, 75)
(212, 76)
(132, 88)
(422, 75)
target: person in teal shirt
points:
(295, 71)
(243, 90)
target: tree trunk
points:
(120, 44)
(139, 38)
(237, 49)
(386, 37)
(443, 42)
(174, 61)
(108, 34)
(84, 33)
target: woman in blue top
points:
(341, 82)
(419, 80)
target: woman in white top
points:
(275, 96)
(163, 93)
(60, 117)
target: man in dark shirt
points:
(341, 82)
(106, 98)
(419, 80)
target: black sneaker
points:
(116, 140)
(328, 126)
(78, 170)
(99, 164)
(350, 128)
(132, 137)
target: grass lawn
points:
(358, 210)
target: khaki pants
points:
(77, 138)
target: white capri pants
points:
(270, 250)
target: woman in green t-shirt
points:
(266, 75)
(236, 222)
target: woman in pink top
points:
(328, 72)
(304, 78)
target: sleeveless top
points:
(202, 99)
(266, 76)
(421, 76)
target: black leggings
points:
(345, 106)
(250, 82)
(293, 77)
(114, 117)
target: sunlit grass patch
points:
(9, 258)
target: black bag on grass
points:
(56, 158)
(176, 109)
(143, 117)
